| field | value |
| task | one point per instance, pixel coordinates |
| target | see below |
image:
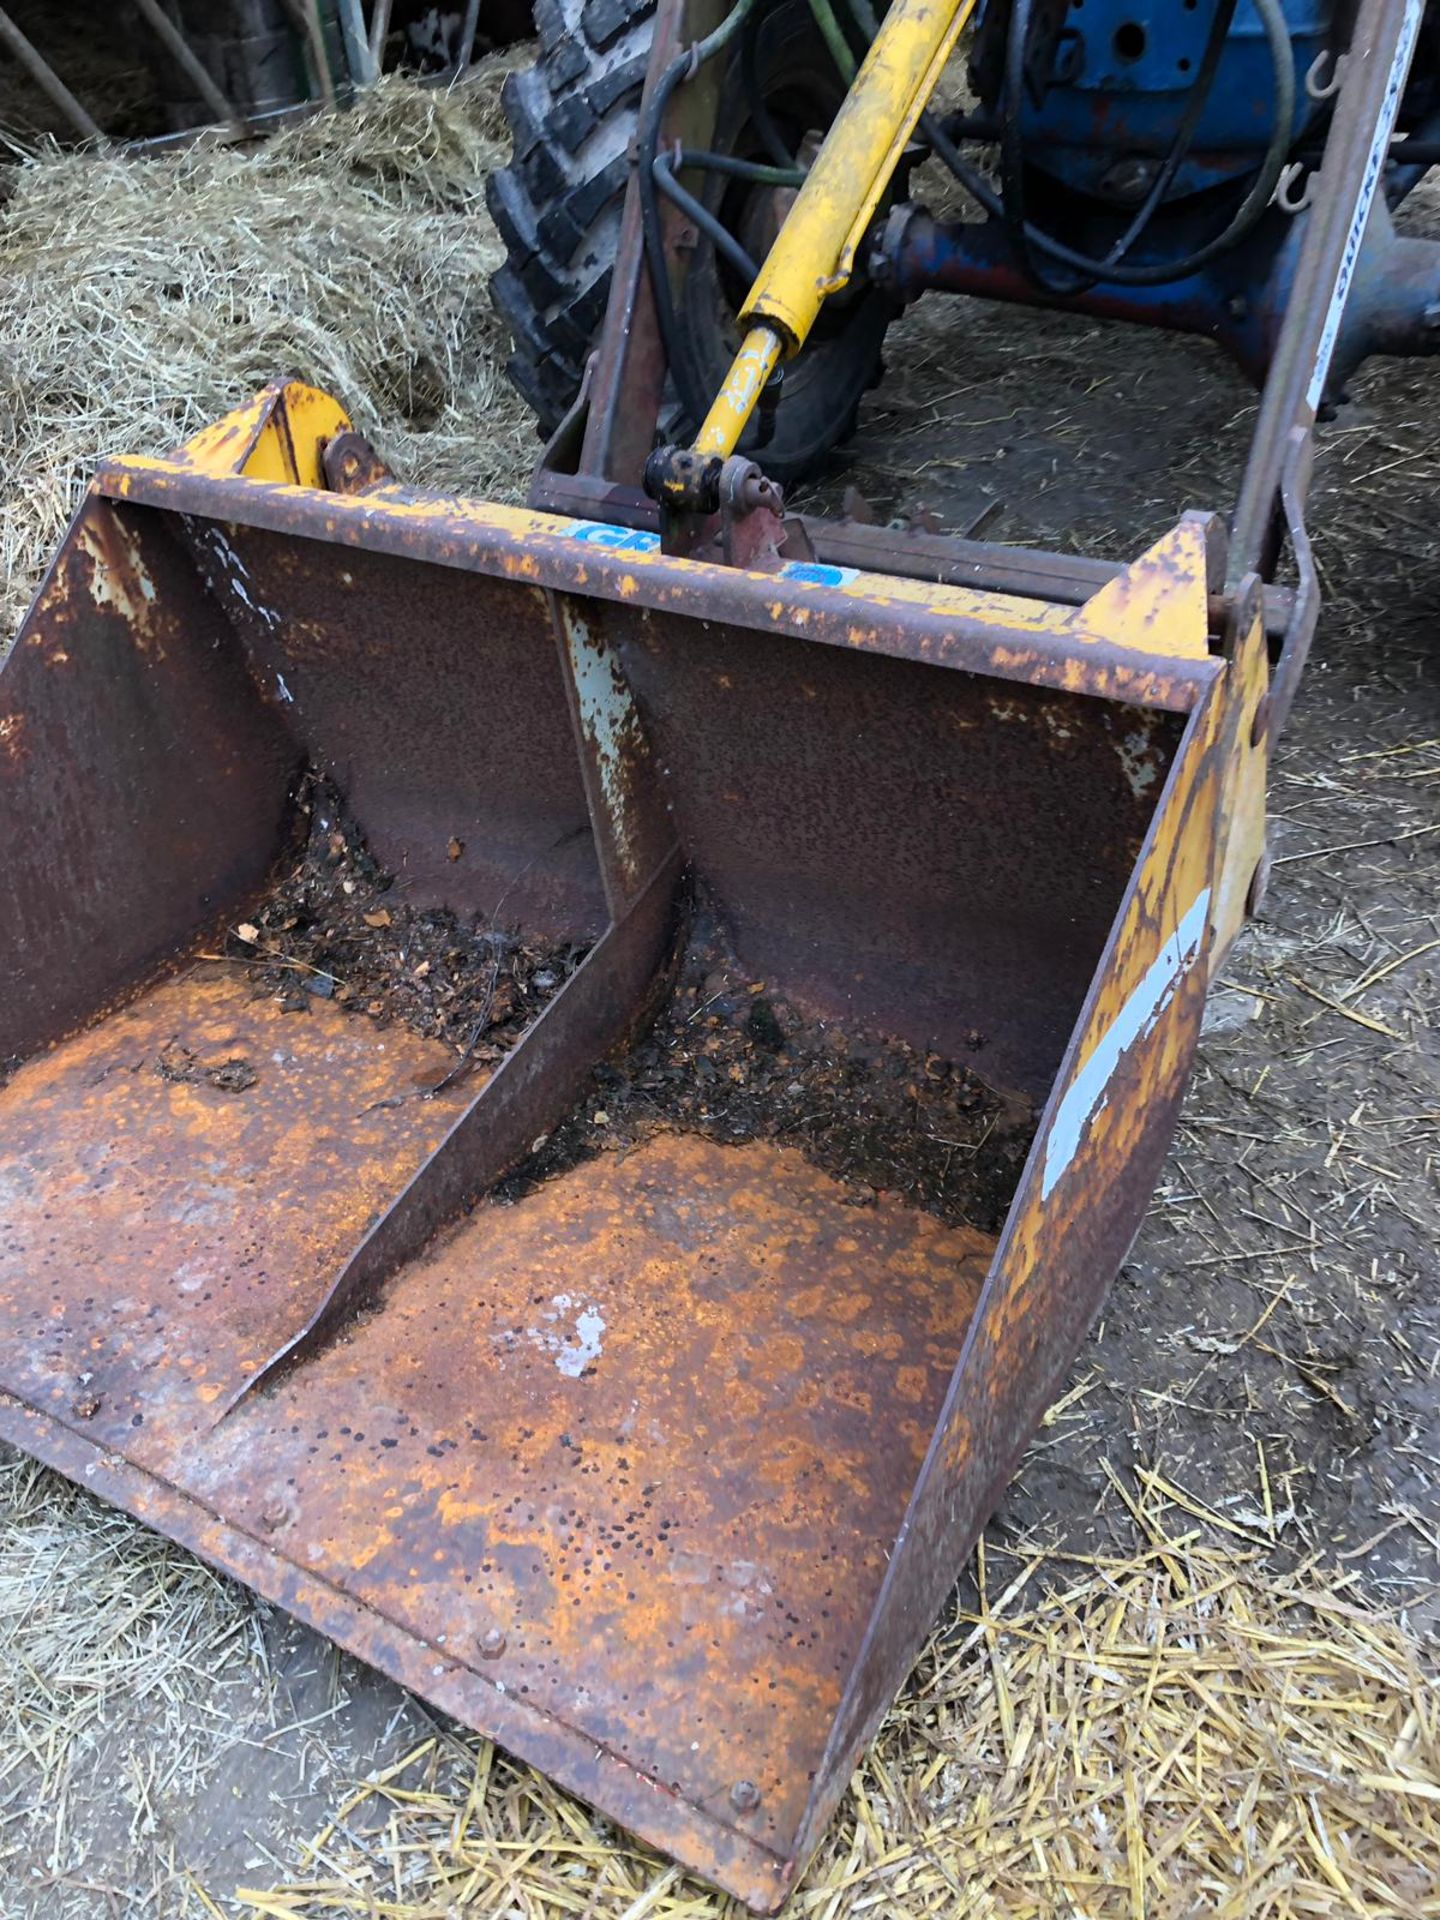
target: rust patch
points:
(654, 1426)
(179, 1183)
(615, 1472)
(142, 786)
(120, 581)
(990, 633)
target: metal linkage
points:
(1356, 151)
(194, 69)
(49, 82)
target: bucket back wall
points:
(921, 851)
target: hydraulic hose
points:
(1013, 157)
(1196, 102)
(833, 34)
(1155, 273)
(1012, 147)
(652, 113)
(719, 235)
(786, 176)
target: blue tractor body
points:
(1122, 77)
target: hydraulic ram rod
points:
(814, 251)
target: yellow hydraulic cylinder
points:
(814, 251)
(760, 353)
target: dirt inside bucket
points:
(736, 1059)
(728, 1057)
(334, 927)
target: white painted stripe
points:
(1369, 180)
(1089, 1090)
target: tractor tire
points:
(573, 116)
(557, 205)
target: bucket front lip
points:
(655, 1814)
(964, 629)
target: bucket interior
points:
(630, 1436)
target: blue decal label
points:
(599, 533)
(810, 573)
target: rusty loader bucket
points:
(563, 1111)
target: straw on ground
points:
(1180, 1733)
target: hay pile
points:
(1178, 1734)
(145, 297)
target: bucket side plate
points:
(618, 1472)
(142, 780)
(1089, 1177)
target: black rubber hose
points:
(1196, 102)
(677, 348)
(701, 157)
(1012, 154)
(760, 116)
(1013, 158)
(1157, 273)
(1262, 188)
(720, 237)
(683, 371)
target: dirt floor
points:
(1269, 1360)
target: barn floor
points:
(1255, 1422)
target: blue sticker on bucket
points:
(613, 539)
(812, 573)
(599, 533)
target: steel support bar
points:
(627, 379)
(48, 81)
(189, 62)
(379, 28)
(307, 19)
(1066, 579)
(364, 67)
(1239, 300)
(1236, 300)
(1376, 68)
(465, 51)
